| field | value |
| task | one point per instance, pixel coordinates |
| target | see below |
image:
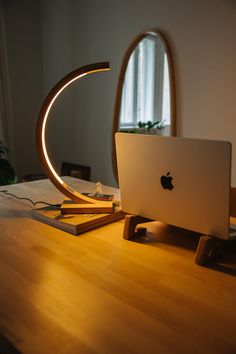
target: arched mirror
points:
(145, 98)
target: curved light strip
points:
(41, 129)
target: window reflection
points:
(146, 89)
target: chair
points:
(74, 170)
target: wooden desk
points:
(98, 293)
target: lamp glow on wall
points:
(87, 204)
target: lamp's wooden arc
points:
(41, 128)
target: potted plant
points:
(7, 173)
(149, 127)
(145, 128)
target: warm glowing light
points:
(44, 127)
(41, 128)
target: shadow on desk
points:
(6, 347)
(159, 233)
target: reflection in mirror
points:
(145, 98)
(146, 88)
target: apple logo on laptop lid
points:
(166, 181)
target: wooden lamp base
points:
(100, 207)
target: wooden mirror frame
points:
(116, 118)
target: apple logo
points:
(166, 181)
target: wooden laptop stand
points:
(208, 246)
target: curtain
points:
(6, 123)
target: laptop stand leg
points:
(207, 249)
(131, 221)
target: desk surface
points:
(98, 293)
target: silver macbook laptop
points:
(179, 181)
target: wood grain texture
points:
(98, 293)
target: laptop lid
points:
(180, 181)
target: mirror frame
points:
(125, 61)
